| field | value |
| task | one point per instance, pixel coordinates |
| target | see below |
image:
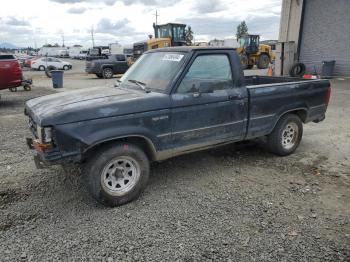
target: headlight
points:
(44, 134)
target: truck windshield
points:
(155, 70)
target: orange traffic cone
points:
(270, 71)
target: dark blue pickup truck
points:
(171, 101)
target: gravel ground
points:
(236, 203)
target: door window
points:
(120, 58)
(212, 71)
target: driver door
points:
(206, 109)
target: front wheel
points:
(117, 174)
(286, 136)
(65, 67)
(244, 61)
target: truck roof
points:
(189, 49)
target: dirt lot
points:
(237, 203)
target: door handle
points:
(233, 97)
(196, 94)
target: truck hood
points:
(92, 103)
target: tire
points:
(263, 61)
(41, 68)
(107, 72)
(297, 70)
(65, 67)
(27, 87)
(48, 71)
(105, 175)
(244, 61)
(286, 136)
(13, 89)
(99, 75)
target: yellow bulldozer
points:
(171, 34)
(251, 52)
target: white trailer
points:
(74, 51)
(115, 48)
(53, 51)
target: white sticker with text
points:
(173, 57)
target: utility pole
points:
(62, 39)
(156, 15)
(92, 36)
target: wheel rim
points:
(265, 61)
(108, 73)
(290, 135)
(120, 175)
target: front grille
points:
(32, 126)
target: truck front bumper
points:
(50, 157)
(39, 159)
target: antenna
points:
(156, 15)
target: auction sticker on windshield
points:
(173, 57)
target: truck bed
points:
(265, 80)
(269, 97)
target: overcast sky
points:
(25, 22)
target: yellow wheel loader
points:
(171, 34)
(251, 52)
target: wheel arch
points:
(300, 112)
(143, 142)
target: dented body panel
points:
(172, 123)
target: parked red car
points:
(28, 61)
(11, 74)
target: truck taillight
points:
(328, 94)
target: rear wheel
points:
(117, 174)
(65, 67)
(263, 61)
(41, 68)
(107, 73)
(286, 136)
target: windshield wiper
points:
(139, 84)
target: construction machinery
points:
(171, 34)
(251, 52)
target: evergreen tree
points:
(242, 29)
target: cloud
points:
(160, 3)
(221, 27)
(76, 10)
(107, 2)
(12, 21)
(108, 27)
(208, 6)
